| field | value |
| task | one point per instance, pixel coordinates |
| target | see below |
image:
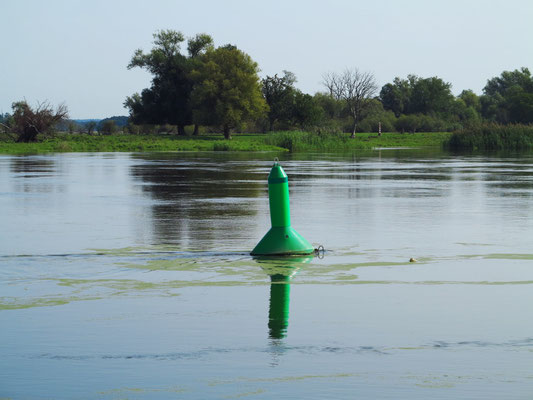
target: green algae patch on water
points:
(20, 304)
(141, 391)
(245, 394)
(233, 267)
(509, 256)
(292, 378)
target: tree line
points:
(220, 88)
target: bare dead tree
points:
(353, 87)
(5, 127)
(28, 122)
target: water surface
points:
(129, 276)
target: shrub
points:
(108, 127)
(29, 122)
(492, 136)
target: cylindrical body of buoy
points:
(281, 239)
(278, 197)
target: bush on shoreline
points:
(493, 136)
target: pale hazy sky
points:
(76, 51)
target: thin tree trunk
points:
(181, 130)
(227, 132)
(196, 131)
(354, 128)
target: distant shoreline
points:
(277, 142)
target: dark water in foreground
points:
(127, 276)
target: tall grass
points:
(493, 137)
(335, 142)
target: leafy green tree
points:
(416, 95)
(374, 115)
(396, 96)
(409, 123)
(90, 126)
(306, 112)
(471, 99)
(198, 46)
(29, 122)
(520, 106)
(465, 108)
(431, 95)
(72, 127)
(279, 93)
(108, 127)
(227, 89)
(508, 79)
(507, 98)
(167, 101)
(331, 107)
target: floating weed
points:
(125, 391)
(19, 304)
(246, 394)
(509, 256)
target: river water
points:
(128, 276)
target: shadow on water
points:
(281, 270)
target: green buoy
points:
(281, 239)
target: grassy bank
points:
(493, 137)
(278, 141)
(134, 143)
(308, 142)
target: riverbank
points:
(277, 141)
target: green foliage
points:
(471, 99)
(199, 44)
(227, 90)
(430, 95)
(508, 79)
(493, 136)
(409, 123)
(371, 123)
(416, 95)
(279, 94)
(333, 112)
(288, 106)
(167, 101)
(509, 97)
(306, 112)
(90, 126)
(108, 127)
(422, 123)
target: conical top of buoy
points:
(277, 174)
(281, 239)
